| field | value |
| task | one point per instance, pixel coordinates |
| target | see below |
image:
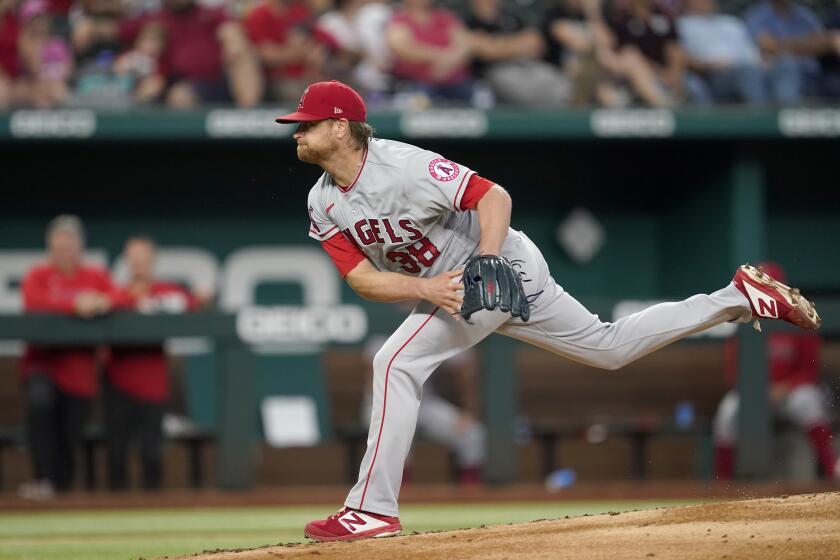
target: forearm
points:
(274, 54)
(403, 45)
(701, 66)
(810, 45)
(386, 287)
(494, 219)
(676, 59)
(493, 49)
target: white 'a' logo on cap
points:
(337, 110)
(302, 97)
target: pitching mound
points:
(806, 526)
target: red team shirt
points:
(437, 32)
(141, 371)
(44, 289)
(794, 358)
(265, 24)
(193, 51)
(9, 30)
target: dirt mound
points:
(805, 526)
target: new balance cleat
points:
(350, 525)
(770, 299)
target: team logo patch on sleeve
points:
(443, 169)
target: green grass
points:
(131, 534)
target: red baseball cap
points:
(327, 100)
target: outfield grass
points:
(132, 534)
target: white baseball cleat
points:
(770, 299)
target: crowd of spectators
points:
(613, 53)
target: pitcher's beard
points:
(309, 155)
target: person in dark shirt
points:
(579, 40)
(646, 41)
(507, 54)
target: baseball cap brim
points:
(298, 116)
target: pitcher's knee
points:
(608, 360)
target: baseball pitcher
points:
(403, 223)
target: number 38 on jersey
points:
(415, 250)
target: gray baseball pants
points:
(558, 323)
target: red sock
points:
(724, 462)
(820, 435)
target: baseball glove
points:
(490, 282)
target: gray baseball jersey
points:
(403, 210)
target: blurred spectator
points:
(60, 383)
(580, 42)
(336, 30)
(46, 60)
(789, 37)
(207, 58)
(508, 55)
(649, 52)
(93, 25)
(281, 30)
(137, 385)
(438, 419)
(431, 51)
(725, 63)
(141, 65)
(9, 68)
(96, 50)
(830, 86)
(355, 31)
(794, 362)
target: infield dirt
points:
(792, 527)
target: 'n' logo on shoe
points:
(356, 520)
(764, 305)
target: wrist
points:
(420, 285)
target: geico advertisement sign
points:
(286, 324)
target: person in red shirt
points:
(9, 31)
(431, 49)
(794, 362)
(137, 380)
(290, 54)
(60, 383)
(207, 57)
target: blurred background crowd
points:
(532, 53)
